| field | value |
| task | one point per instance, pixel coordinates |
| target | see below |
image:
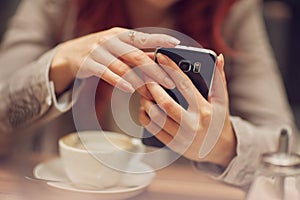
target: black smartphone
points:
(199, 65)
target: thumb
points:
(218, 100)
(219, 89)
(220, 66)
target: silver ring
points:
(131, 35)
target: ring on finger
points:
(131, 35)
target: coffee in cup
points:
(98, 158)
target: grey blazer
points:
(258, 103)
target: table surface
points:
(177, 182)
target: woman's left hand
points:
(185, 130)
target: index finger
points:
(183, 83)
(146, 40)
(138, 58)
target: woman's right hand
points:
(109, 55)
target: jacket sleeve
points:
(258, 103)
(26, 94)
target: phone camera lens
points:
(185, 65)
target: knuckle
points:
(166, 105)
(114, 81)
(116, 30)
(205, 115)
(95, 51)
(138, 56)
(158, 75)
(103, 39)
(184, 85)
(122, 69)
(155, 115)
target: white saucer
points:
(53, 170)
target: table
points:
(177, 182)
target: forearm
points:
(26, 96)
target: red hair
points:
(201, 20)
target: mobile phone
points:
(199, 65)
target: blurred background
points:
(282, 19)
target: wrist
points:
(60, 73)
(225, 149)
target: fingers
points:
(149, 67)
(137, 58)
(186, 120)
(220, 66)
(117, 49)
(164, 100)
(171, 138)
(150, 55)
(104, 73)
(159, 117)
(146, 40)
(219, 91)
(101, 55)
(160, 134)
(130, 76)
(219, 104)
(183, 83)
(165, 123)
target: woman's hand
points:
(110, 55)
(185, 130)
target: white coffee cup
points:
(98, 158)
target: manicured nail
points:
(164, 61)
(126, 87)
(173, 41)
(161, 59)
(221, 60)
(221, 57)
(169, 83)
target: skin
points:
(96, 55)
(72, 55)
(169, 122)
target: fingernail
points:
(164, 61)
(126, 87)
(169, 83)
(161, 59)
(173, 41)
(221, 59)
(148, 95)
